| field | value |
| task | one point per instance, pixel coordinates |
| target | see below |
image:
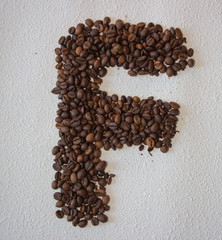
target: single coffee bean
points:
(164, 149)
(154, 127)
(102, 218)
(94, 221)
(82, 223)
(66, 186)
(169, 72)
(81, 174)
(89, 22)
(100, 166)
(158, 65)
(178, 33)
(75, 221)
(55, 150)
(54, 185)
(59, 214)
(90, 137)
(150, 142)
(119, 24)
(57, 196)
(65, 210)
(73, 177)
(191, 62)
(106, 199)
(174, 105)
(190, 52)
(141, 147)
(169, 60)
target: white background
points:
(173, 196)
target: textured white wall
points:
(173, 196)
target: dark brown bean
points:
(102, 218)
(95, 221)
(100, 166)
(59, 214)
(82, 223)
(150, 142)
(106, 199)
(191, 62)
(81, 174)
(164, 149)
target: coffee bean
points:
(57, 196)
(100, 166)
(191, 62)
(81, 174)
(158, 65)
(54, 184)
(102, 218)
(94, 221)
(169, 72)
(113, 125)
(174, 105)
(150, 142)
(190, 52)
(81, 192)
(75, 221)
(106, 199)
(136, 140)
(178, 33)
(89, 22)
(55, 150)
(164, 149)
(154, 127)
(66, 186)
(59, 214)
(119, 24)
(73, 177)
(169, 60)
(90, 137)
(65, 210)
(82, 223)
(60, 203)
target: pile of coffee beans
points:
(89, 119)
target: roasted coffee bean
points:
(190, 52)
(82, 223)
(95, 221)
(81, 173)
(59, 214)
(75, 221)
(178, 33)
(66, 186)
(57, 196)
(141, 147)
(169, 72)
(150, 142)
(164, 149)
(106, 199)
(191, 62)
(174, 105)
(73, 177)
(55, 150)
(100, 166)
(169, 60)
(89, 119)
(90, 137)
(102, 218)
(65, 210)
